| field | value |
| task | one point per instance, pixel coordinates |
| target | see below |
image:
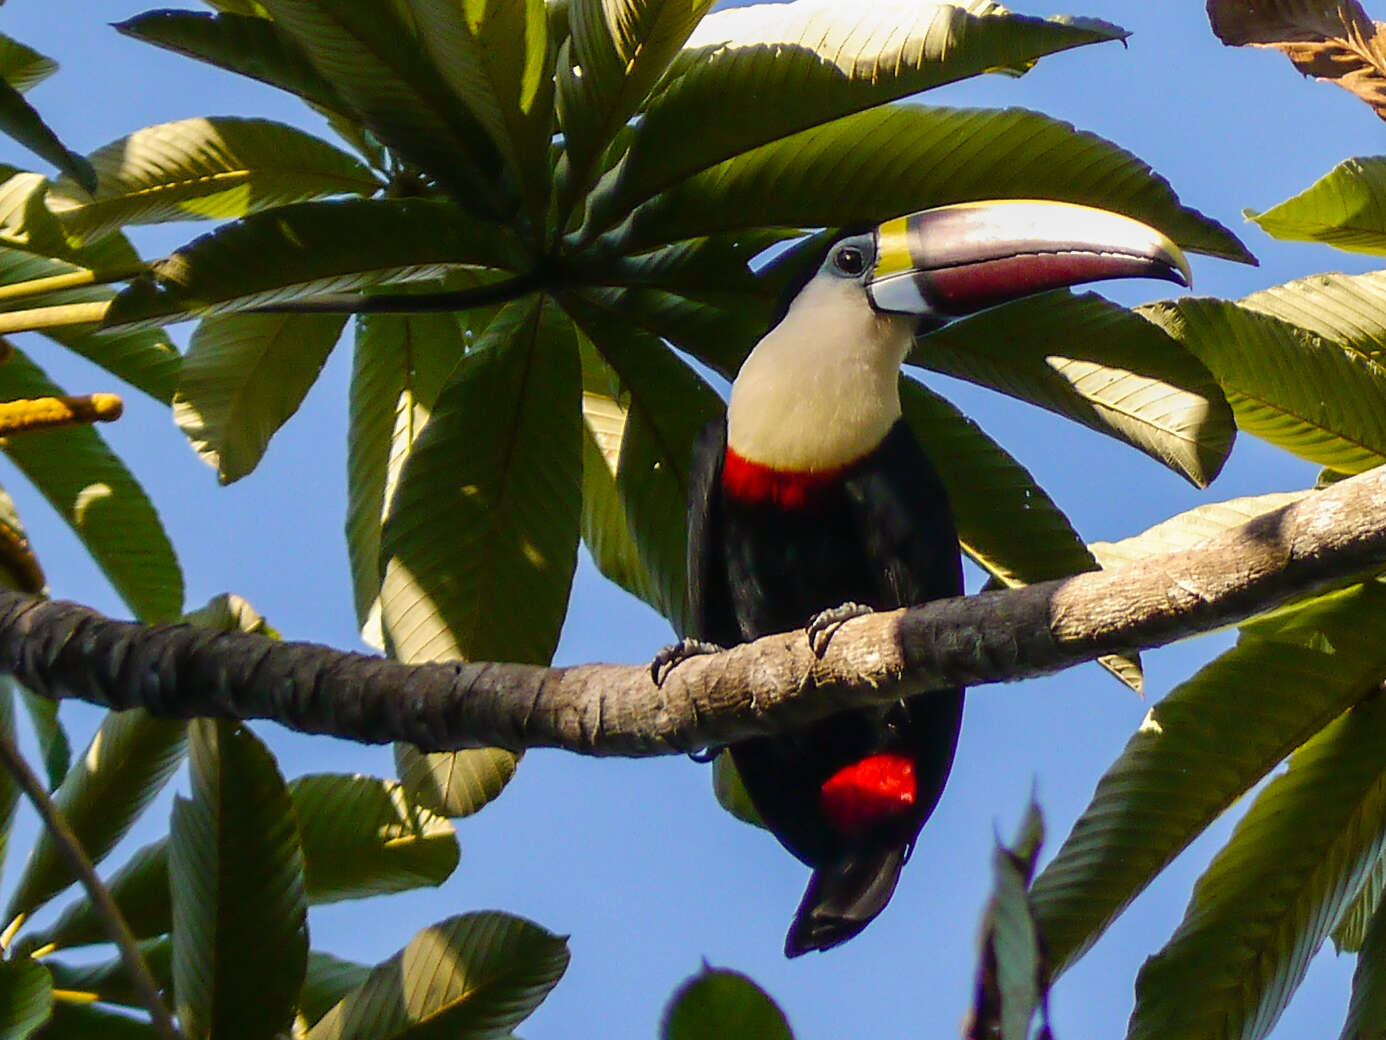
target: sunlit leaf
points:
(719, 1003)
(454, 783)
(1346, 208)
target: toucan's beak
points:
(956, 260)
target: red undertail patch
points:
(757, 484)
(859, 796)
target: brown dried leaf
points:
(1331, 40)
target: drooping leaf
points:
(1332, 40)
(889, 161)
(1097, 363)
(307, 249)
(481, 539)
(382, 69)
(730, 791)
(48, 730)
(1366, 1015)
(140, 891)
(205, 168)
(472, 976)
(329, 979)
(720, 1003)
(21, 66)
(19, 121)
(1351, 930)
(363, 837)
(26, 998)
(1346, 208)
(669, 406)
(100, 500)
(240, 926)
(786, 68)
(1268, 900)
(1274, 375)
(126, 764)
(605, 527)
(244, 375)
(454, 783)
(240, 43)
(615, 53)
(1199, 749)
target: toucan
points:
(811, 501)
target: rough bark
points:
(65, 650)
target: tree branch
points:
(64, 650)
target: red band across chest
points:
(866, 793)
(753, 483)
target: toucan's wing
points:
(710, 614)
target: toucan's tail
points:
(843, 897)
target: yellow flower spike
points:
(44, 413)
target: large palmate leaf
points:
(378, 64)
(472, 977)
(481, 539)
(203, 168)
(240, 43)
(1346, 208)
(495, 56)
(884, 162)
(1270, 896)
(668, 407)
(1092, 361)
(1286, 385)
(310, 248)
(243, 377)
(240, 920)
(128, 761)
(616, 51)
(1199, 749)
(92, 490)
(1347, 309)
(719, 1003)
(787, 67)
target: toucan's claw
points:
(672, 656)
(824, 625)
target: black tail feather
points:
(844, 897)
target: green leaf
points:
(362, 837)
(1200, 749)
(1366, 1015)
(1346, 208)
(109, 981)
(250, 46)
(617, 50)
(496, 58)
(206, 168)
(1271, 895)
(481, 540)
(1286, 385)
(307, 249)
(1351, 930)
(240, 926)
(1092, 361)
(93, 491)
(124, 767)
(1191, 528)
(48, 730)
(329, 979)
(400, 364)
(1347, 309)
(25, 221)
(26, 998)
(87, 1022)
(243, 377)
(719, 1003)
(785, 68)
(731, 792)
(473, 976)
(889, 161)
(9, 790)
(669, 406)
(605, 527)
(21, 66)
(454, 783)
(140, 891)
(19, 121)
(374, 58)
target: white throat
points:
(821, 389)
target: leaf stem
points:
(77, 861)
(53, 317)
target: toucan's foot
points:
(824, 625)
(672, 656)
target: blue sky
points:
(634, 859)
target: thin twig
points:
(102, 903)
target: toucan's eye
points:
(849, 261)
